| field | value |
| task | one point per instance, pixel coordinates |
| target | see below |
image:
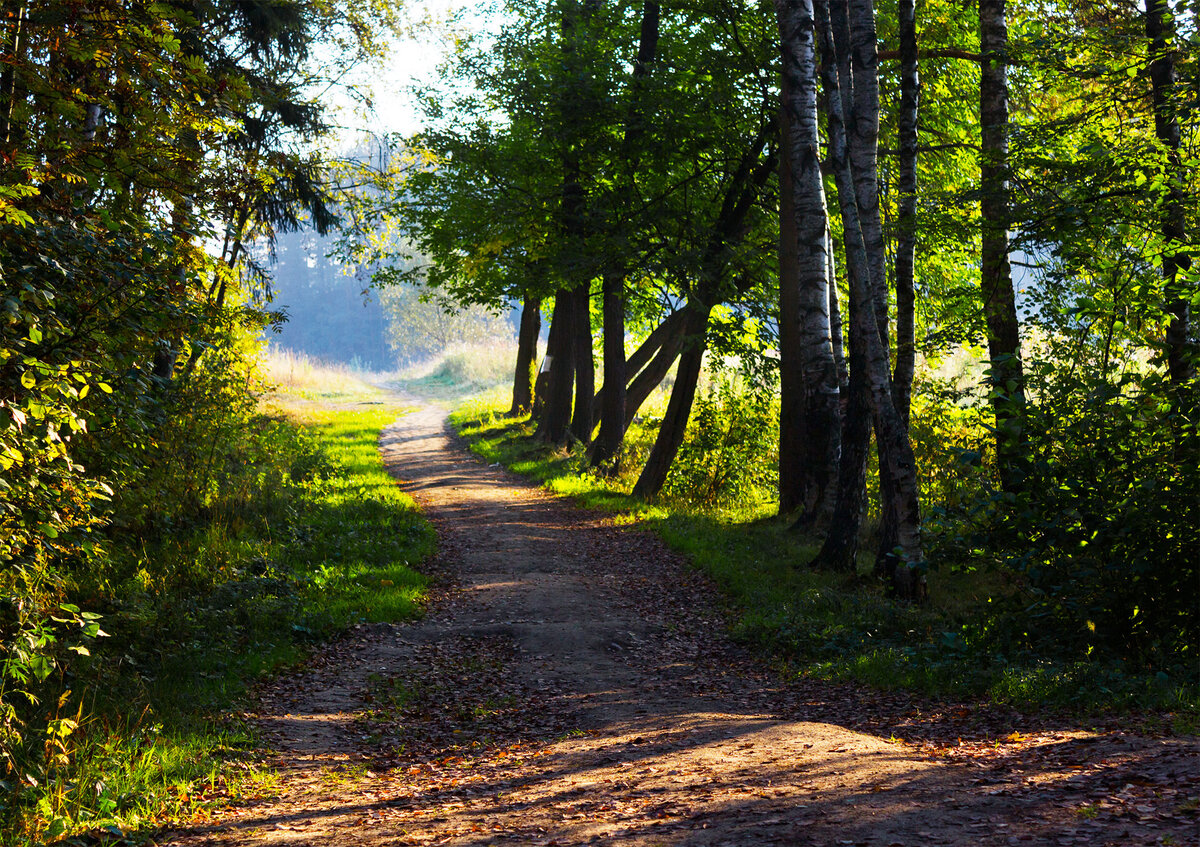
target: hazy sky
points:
(413, 59)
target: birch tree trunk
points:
(812, 423)
(895, 449)
(999, 302)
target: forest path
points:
(572, 684)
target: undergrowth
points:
(834, 626)
(298, 533)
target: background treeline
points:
(824, 199)
(156, 529)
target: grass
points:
(461, 373)
(319, 538)
(836, 626)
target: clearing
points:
(572, 684)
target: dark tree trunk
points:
(999, 302)
(560, 349)
(1160, 30)
(526, 370)
(835, 323)
(612, 406)
(585, 368)
(656, 371)
(809, 424)
(841, 541)
(906, 237)
(612, 415)
(679, 407)
(9, 88)
(671, 325)
(866, 340)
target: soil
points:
(572, 684)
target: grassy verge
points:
(313, 538)
(842, 627)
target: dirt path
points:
(573, 686)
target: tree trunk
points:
(612, 415)
(671, 326)
(527, 341)
(863, 145)
(999, 302)
(895, 450)
(679, 407)
(560, 349)
(656, 371)
(835, 322)
(9, 88)
(906, 236)
(585, 368)
(840, 548)
(1160, 30)
(812, 421)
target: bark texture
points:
(895, 450)
(809, 424)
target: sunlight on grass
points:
(829, 625)
(333, 541)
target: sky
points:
(413, 59)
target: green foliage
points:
(1105, 529)
(972, 639)
(421, 328)
(730, 451)
(270, 537)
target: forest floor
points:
(572, 684)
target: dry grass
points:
(293, 371)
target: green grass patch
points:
(962, 644)
(312, 536)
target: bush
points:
(730, 453)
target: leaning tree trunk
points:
(1160, 30)
(809, 425)
(585, 368)
(560, 350)
(679, 407)
(671, 327)
(895, 450)
(999, 302)
(527, 340)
